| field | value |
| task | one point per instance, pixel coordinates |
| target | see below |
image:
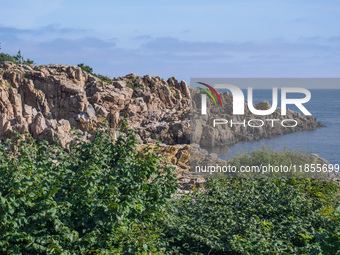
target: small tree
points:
(17, 59)
(86, 68)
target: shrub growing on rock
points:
(17, 59)
(105, 197)
(99, 197)
(253, 216)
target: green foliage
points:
(86, 68)
(97, 198)
(107, 198)
(103, 77)
(267, 155)
(89, 70)
(324, 191)
(17, 59)
(251, 216)
(289, 164)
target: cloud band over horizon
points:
(186, 53)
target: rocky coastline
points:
(55, 101)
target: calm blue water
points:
(325, 106)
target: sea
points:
(324, 105)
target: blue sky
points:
(236, 38)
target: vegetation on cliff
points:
(89, 70)
(105, 196)
(98, 197)
(257, 216)
(17, 59)
(102, 197)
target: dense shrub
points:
(102, 197)
(86, 68)
(258, 216)
(252, 216)
(267, 155)
(97, 198)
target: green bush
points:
(102, 197)
(97, 198)
(17, 59)
(251, 216)
(258, 216)
(86, 68)
(267, 155)
(89, 70)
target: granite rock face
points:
(49, 100)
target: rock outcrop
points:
(48, 101)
